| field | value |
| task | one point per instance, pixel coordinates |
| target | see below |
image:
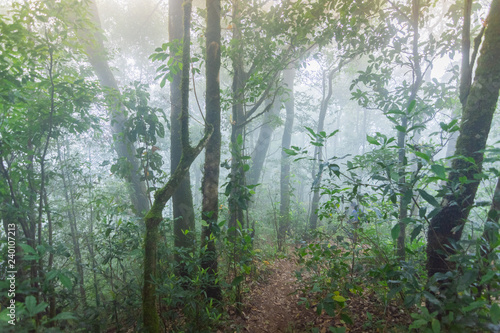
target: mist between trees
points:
(160, 160)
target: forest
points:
(249, 166)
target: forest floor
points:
(271, 306)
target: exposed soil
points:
(272, 306)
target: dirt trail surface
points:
(272, 305)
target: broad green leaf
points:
(395, 231)
(26, 248)
(495, 313)
(64, 316)
(338, 298)
(436, 326)
(423, 156)
(429, 198)
(439, 170)
(65, 281)
(372, 140)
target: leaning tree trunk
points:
(262, 145)
(182, 200)
(96, 53)
(155, 214)
(447, 226)
(284, 222)
(210, 184)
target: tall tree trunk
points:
(318, 154)
(69, 197)
(447, 226)
(237, 126)
(125, 149)
(262, 146)
(182, 200)
(284, 222)
(155, 214)
(210, 184)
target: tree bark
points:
(318, 155)
(125, 149)
(284, 222)
(210, 183)
(182, 200)
(417, 74)
(262, 145)
(447, 226)
(155, 215)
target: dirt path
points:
(272, 305)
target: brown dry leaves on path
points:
(272, 305)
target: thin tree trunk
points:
(417, 74)
(318, 155)
(69, 197)
(210, 184)
(490, 233)
(284, 223)
(447, 226)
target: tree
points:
(125, 150)
(182, 200)
(284, 224)
(210, 184)
(447, 225)
(155, 215)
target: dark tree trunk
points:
(182, 200)
(284, 222)
(210, 184)
(155, 214)
(447, 226)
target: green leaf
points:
(64, 316)
(429, 198)
(395, 231)
(338, 298)
(495, 313)
(26, 248)
(415, 232)
(290, 151)
(401, 128)
(237, 280)
(436, 326)
(65, 281)
(30, 303)
(439, 170)
(473, 306)
(372, 140)
(423, 156)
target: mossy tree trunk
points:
(447, 226)
(154, 217)
(210, 183)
